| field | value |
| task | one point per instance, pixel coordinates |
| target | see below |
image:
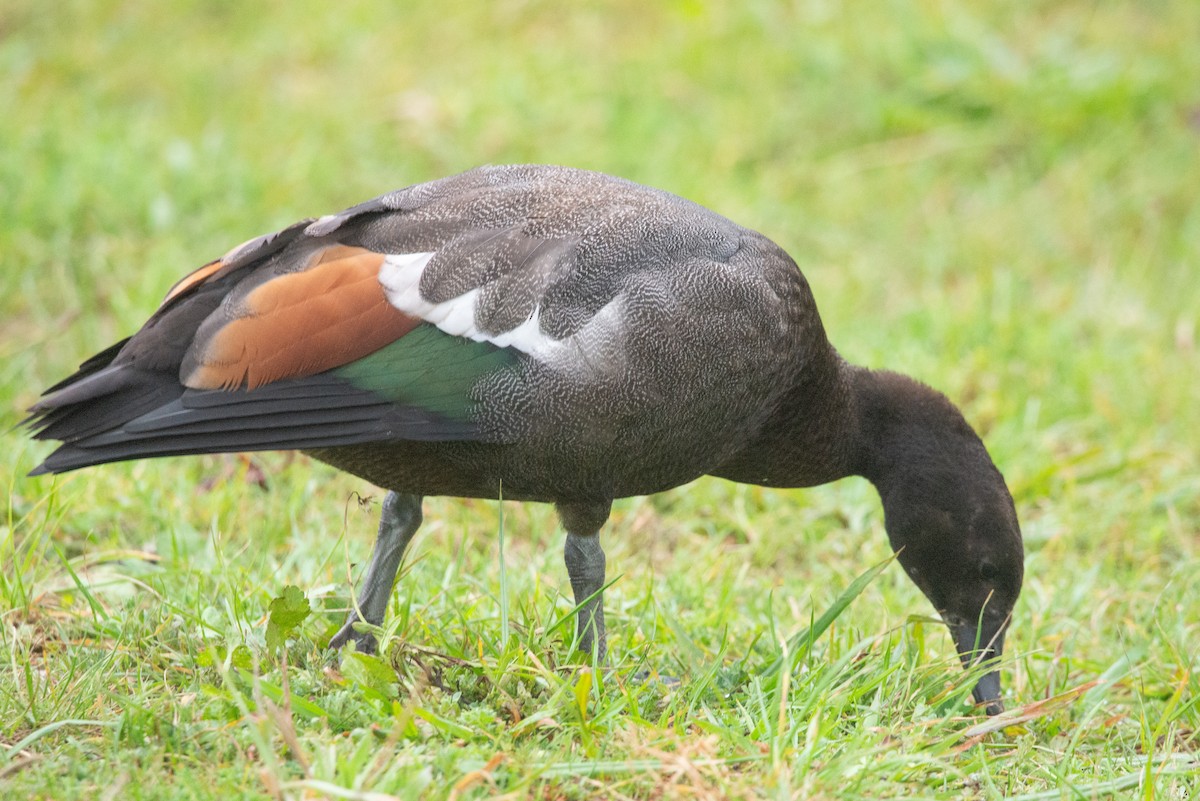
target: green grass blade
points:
(800, 644)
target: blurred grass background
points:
(1002, 199)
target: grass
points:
(1000, 199)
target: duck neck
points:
(908, 432)
(812, 437)
(840, 420)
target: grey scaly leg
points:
(585, 567)
(399, 522)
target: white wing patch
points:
(400, 277)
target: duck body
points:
(533, 333)
(661, 349)
(639, 400)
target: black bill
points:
(981, 643)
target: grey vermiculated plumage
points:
(668, 343)
(705, 307)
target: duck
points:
(547, 334)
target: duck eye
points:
(988, 571)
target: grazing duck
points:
(546, 334)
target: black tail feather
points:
(141, 414)
(96, 363)
(99, 403)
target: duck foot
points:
(364, 641)
(399, 521)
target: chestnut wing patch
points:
(298, 324)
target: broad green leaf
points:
(285, 615)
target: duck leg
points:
(585, 567)
(399, 522)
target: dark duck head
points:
(948, 514)
(551, 335)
